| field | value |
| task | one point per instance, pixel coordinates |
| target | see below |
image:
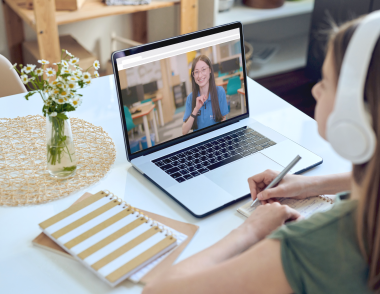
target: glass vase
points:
(61, 159)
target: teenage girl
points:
(337, 251)
(210, 105)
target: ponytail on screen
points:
(212, 90)
(366, 176)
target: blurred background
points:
(285, 39)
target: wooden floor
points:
(294, 87)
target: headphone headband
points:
(348, 128)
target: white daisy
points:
(86, 76)
(54, 83)
(72, 85)
(42, 61)
(96, 64)
(64, 63)
(50, 72)
(39, 71)
(77, 73)
(53, 114)
(96, 74)
(66, 71)
(77, 101)
(88, 82)
(60, 100)
(72, 78)
(68, 53)
(56, 91)
(74, 60)
(59, 85)
(64, 93)
(13, 66)
(24, 79)
(57, 81)
(29, 67)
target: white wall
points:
(95, 34)
(180, 67)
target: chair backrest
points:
(128, 119)
(234, 84)
(10, 81)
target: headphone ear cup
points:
(350, 140)
(349, 130)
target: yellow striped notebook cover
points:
(109, 236)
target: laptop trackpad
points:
(233, 177)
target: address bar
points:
(188, 48)
(197, 45)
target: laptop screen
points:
(180, 89)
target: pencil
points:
(281, 175)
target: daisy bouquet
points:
(58, 87)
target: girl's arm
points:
(223, 268)
(186, 127)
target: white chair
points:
(10, 81)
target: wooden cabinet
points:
(44, 20)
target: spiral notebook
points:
(110, 237)
(305, 207)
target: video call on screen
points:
(158, 96)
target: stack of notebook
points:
(110, 237)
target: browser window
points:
(182, 88)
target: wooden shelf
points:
(248, 15)
(90, 9)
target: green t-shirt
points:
(321, 254)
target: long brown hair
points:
(366, 177)
(211, 89)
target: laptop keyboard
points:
(211, 154)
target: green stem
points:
(57, 141)
(88, 69)
(41, 96)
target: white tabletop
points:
(28, 269)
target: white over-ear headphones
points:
(349, 129)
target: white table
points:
(28, 269)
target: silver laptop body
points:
(208, 169)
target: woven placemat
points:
(23, 175)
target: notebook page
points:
(306, 207)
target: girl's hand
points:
(200, 101)
(293, 186)
(265, 219)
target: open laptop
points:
(207, 168)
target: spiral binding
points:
(134, 210)
(327, 199)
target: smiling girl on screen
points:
(210, 106)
